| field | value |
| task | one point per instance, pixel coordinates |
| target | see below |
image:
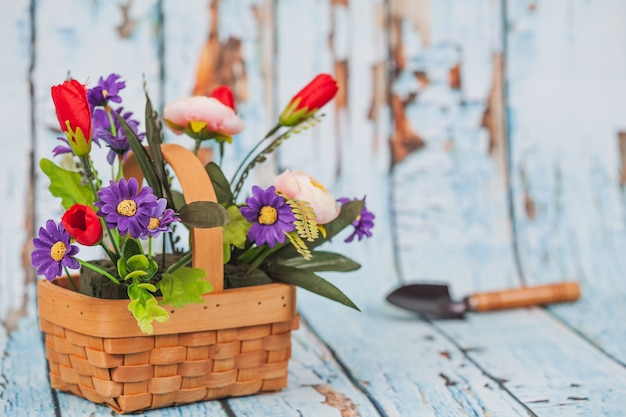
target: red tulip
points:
(74, 115)
(83, 224)
(224, 95)
(309, 100)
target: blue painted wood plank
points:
(542, 362)
(14, 159)
(449, 195)
(400, 362)
(24, 388)
(566, 99)
(22, 361)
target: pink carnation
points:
(217, 116)
(300, 186)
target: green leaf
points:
(138, 262)
(234, 232)
(348, 213)
(154, 137)
(238, 275)
(184, 286)
(220, 184)
(145, 308)
(204, 214)
(67, 185)
(322, 261)
(178, 199)
(311, 282)
(143, 158)
(131, 248)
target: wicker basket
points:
(236, 343)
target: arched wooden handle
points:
(206, 244)
(524, 297)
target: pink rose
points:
(202, 117)
(300, 186)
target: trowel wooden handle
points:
(524, 297)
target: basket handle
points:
(206, 244)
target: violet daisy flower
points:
(160, 220)
(118, 142)
(125, 206)
(363, 223)
(271, 215)
(106, 90)
(53, 251)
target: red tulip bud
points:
(309, 100)
(74, 115)
(224, 95)
(83, 224)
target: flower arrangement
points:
(272, 234)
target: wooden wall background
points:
(488, 135)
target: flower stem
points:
(84, 160)
(182, 262)
(98, 270)
(243, 161)
(196, 148)
(71, 280)
(268, 149)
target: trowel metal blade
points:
(430, 300)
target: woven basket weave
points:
(238, 342)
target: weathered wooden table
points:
(489, 137)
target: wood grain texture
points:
(565, 103)
(554, 373)
(419, 127)
(15, 192)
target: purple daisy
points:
(106, 90)
(125, 206)
(160, 220)
(118, 142)
(363, 223)
(271, 215)
(53, 251)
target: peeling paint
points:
(127, 26)
(493, 117)
(335, 399)
(220, 63)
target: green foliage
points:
(299, 245)
(306, 226)
(67, 185)
(348, 213)
(143, 158)
(184, 286)
(322, 261)
(234, 232)
(134, 265)
(220, 184)
(311, 282)
(144, 306)
(204, 214)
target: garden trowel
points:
(432, 300)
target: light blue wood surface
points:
(530, 194)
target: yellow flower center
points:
(154, 223)
(57, 251)
(197, 125)
(127, 208)
(268, 215)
